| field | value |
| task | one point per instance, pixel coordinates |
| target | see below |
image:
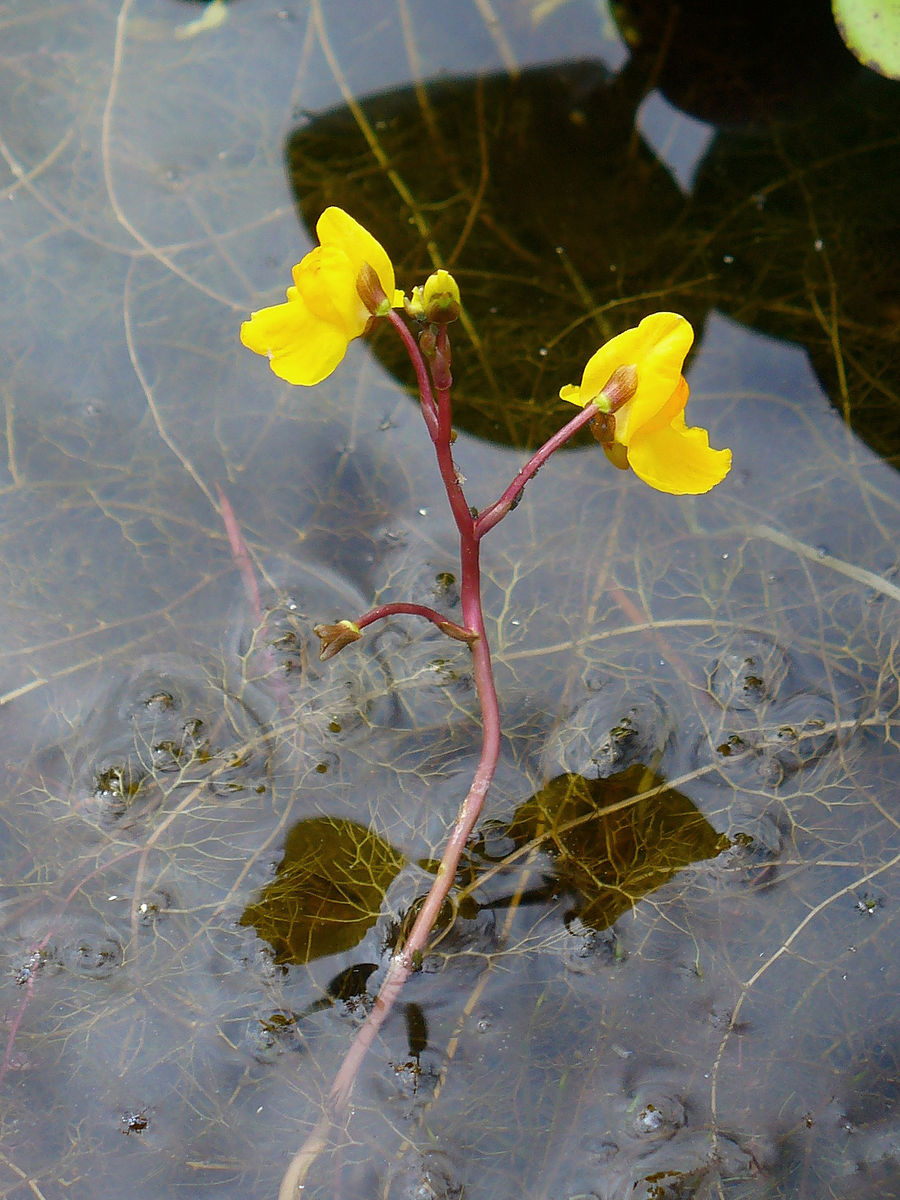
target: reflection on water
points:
(553, 210)
(669, 968)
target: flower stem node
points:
(335, 637)
(458, 632)
(440, 298)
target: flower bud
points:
(440, 297)
(335, 637)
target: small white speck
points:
(423, 512)
(259, 1110)
(515, 621)
(818, 245)
(728, 259)
(112, 897)
(725, 556)
(543, 352)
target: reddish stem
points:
(490, 516)
(472, 528)
(401, 965)
(426, 397)
(401, 608)
(240, 554)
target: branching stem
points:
(489, 517)
(402, 608)
(434, 396)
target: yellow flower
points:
(307, 337)
(650, 433)
(440, 298)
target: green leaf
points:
(871, 29)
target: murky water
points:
(671, 972)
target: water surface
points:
(209, 840)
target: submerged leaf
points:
(615, 840)
(327, 891)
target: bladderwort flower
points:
(644, 427)
(306, 337)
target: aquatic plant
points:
(632, 395)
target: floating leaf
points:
(871, 29)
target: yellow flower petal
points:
(657, 349)
(326, 280)
(573, 394)
(307, 337)
(335, 227)
(301, 348)
(650, 432)
(670, 411)
(678, 460)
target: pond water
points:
(671, 973)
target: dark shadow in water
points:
(564, 227)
